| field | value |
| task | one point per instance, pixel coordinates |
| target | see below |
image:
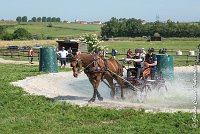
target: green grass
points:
(22, 113)
(57, 29)
(170, 44)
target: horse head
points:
(76, 65)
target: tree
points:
(53, 19)
(19, 19)
(92, 41)
(24, 19)
(39, 19)
(49, 19)
(58, 19)
(34, 19)
(21, 34)
(44, 19)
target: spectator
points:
(114, 53)
(104, 51)
(69, 50)
(30, 55)
(63, 54)
(151, 62)
(69, 55)
(129, 53)
(96, 51)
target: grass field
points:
(172, 46)
(22, 113)
(56, 31)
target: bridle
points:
(79, 64)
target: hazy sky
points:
(102, 10)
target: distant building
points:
(2, 20)
(97, 22)
(74, 44)
(155, 38)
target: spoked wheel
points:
(143, 93)
(146, 88)
(162, 88)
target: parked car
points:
(13, 47)
(25, 47)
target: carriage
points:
(99, 69)
(144, 83)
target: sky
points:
(102, 10)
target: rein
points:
(86, 66)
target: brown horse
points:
(97, 69)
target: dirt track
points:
(63, 86)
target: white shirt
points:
(63, 53)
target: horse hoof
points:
(100, 98)
(91, 100)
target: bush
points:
(21, 34)
(7, 36)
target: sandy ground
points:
(63, 86)
(17, 62)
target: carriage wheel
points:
(146, 88)
(162, 87)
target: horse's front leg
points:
(94, 96)
(95, 84)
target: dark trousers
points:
(31, 58)
(139, 71)
(63, 61)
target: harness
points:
(94, 66)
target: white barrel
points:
(179, 53)
(191, 53)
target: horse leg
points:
(121, 83)
(112, 86)
(94, 96)
(100, 98)
(95, 84)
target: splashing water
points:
(180, 92)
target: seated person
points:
(138, 62)
(151, 62)
(129, 53)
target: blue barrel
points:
(48, 60)
(165, 66)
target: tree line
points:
(38, 19)
(137, 28)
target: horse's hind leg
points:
(112, 86)
(121, 83)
